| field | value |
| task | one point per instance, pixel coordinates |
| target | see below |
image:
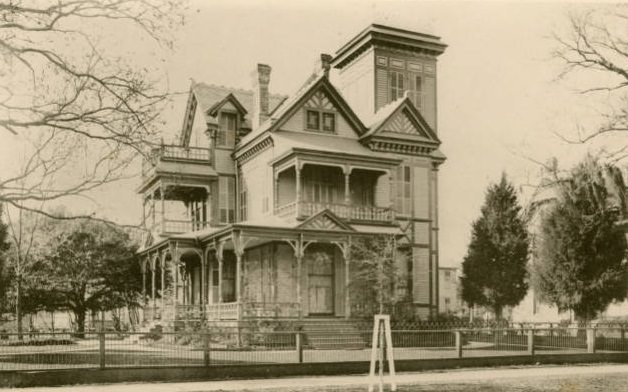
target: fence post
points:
(101, 344)
(299, 343)
(206, 349)
(531, 341)
(622, 344)
(591, 340)
(458, 344)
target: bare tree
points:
(84, 110)
(597, 44)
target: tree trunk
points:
(498, 313)
(79, 315)
(18, 310)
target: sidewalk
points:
(432, 378)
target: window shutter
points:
(420, 275)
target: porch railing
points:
(173, 226)
(172, 152)
(286, 210)
(223, 311)
(353, 212)
(183, 226)
(271, 310)
(189, 312)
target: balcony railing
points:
(175, 153)
(351, 212)
(172, 226)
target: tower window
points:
(396, 81)
(416, 89)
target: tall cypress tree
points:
(580, 256)
(4, 269)
(494, 270)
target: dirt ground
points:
(581, 378)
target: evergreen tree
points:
(580, 255)
(4, 268)
(494, 269)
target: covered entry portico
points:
(247, 271)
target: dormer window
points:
(225, 137)
(320, 121)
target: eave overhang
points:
(376, 34)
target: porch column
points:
(275, 191)
(163, 280)
(238, 249)
(347, 172)
(210, 278)
(203, 277)
(163, 209)
(143, 268)
(152, 289)
(297, 168)
(219, 258)
(346, 253)
(299, 251)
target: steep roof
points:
(208, 95)
(287, 107)
(386, 112)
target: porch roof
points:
(274, 227)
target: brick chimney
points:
(261, 80)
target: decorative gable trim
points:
(213, 111)
(403, 123)
(324, 86)
(325, 220)
(319, 101)
(400, 148)
(256, 149)
(413, 128)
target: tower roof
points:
(387, 36)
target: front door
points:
(321, 283)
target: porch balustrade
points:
(271, 310)
(223, 311)
(172, 226)
(286, 210)
(352, 212)
(174, 153)
(189, 312)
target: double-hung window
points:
(227, 199)
(316, 120)
(403, 183)
(397, 85)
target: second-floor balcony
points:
(172, 157)
(357, 194)
(304, 209)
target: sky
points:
(500, 104)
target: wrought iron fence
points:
(259, 344)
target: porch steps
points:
(332, 333)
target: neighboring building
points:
(449, 300)
(251, 214)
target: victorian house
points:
(252, 212)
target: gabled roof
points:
(294, 103)
(325, 220)
(211, 97)
(400, 107)
(208, 95)
(213, 111)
